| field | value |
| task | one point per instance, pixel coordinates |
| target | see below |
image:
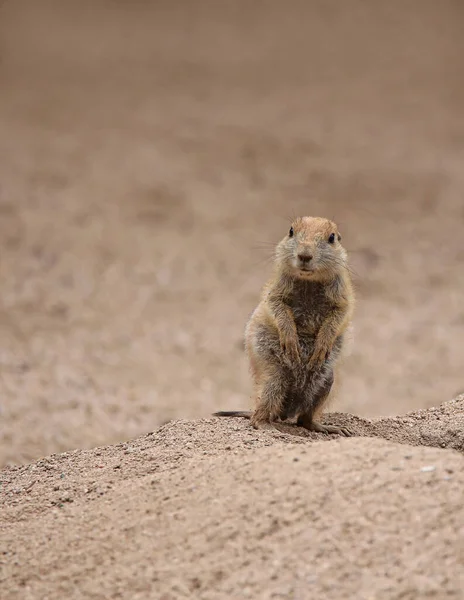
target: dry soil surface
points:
(149, 154)
(214, 509)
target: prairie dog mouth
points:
(303, 268)
(306, 271)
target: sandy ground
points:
(151, 154)
(214, 509)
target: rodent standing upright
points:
(295, 335)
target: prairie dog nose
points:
(305, 258)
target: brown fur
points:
(295, 335)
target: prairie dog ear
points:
(339, 237)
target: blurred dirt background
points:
(150, 155)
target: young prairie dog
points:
(295, 335)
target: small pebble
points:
(428, 469)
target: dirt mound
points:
(214, 509)
(441, 426)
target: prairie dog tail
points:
(245, 414)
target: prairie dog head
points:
(312, 249)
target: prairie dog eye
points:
(331, 238)
(290, 233)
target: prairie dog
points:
(295, 335)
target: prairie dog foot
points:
(263, 425)
(311, 425)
